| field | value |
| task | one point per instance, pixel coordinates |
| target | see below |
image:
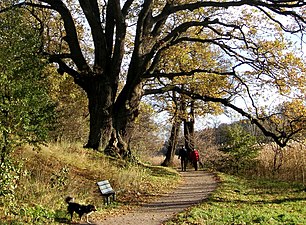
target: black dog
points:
(79, 209)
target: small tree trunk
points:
(277, 159)
(189, 135)
(172, 143)
(174, 132)
(189, 129)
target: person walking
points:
(184, 158)
(194, 157)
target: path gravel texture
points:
(196, 187)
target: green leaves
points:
(240, 143)
(241, 147)
(9, 175)
(26, 111)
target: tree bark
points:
(189, 128)
(126, 109)
(100, 95)
(172, 143)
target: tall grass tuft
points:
(288, 164)
(272, 162)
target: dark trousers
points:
(195, 165)
(184, 164)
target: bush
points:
(9, 176)
(241, 149)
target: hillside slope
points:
(55, 171)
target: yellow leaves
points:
(206, 84)
(295, 109)
(275, 44)
(180, 2)
(290, 116)
(185, 57)
(281, 65)
(188, 57)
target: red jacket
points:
(194, 155)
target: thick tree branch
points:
(120, 37)
(126, 7)
(110, 28)
(71, 33)
(146, 8)
(159, 23)
(91, 11)
(171, 39)
(282, 139)
(63, 67)
(187, 73)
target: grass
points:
(242, 201)
(59, 170)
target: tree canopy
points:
(100, 43)
(26, 111)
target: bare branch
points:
(281, 139)
(187, 73)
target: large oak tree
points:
(128, 39)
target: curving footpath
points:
(196, 187)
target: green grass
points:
(241, 201)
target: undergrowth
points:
(59, 170)
(243, 201)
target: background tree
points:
(72, 117)
(176, 120)
(180, 58)
(147, 136)
(154, 27)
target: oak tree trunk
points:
(100, 94)
(125, 112)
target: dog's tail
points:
(69, 199)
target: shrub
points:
(241, 148)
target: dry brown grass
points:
(86, 168)
(285, 164)
(157, 160)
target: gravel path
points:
(196, 187)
